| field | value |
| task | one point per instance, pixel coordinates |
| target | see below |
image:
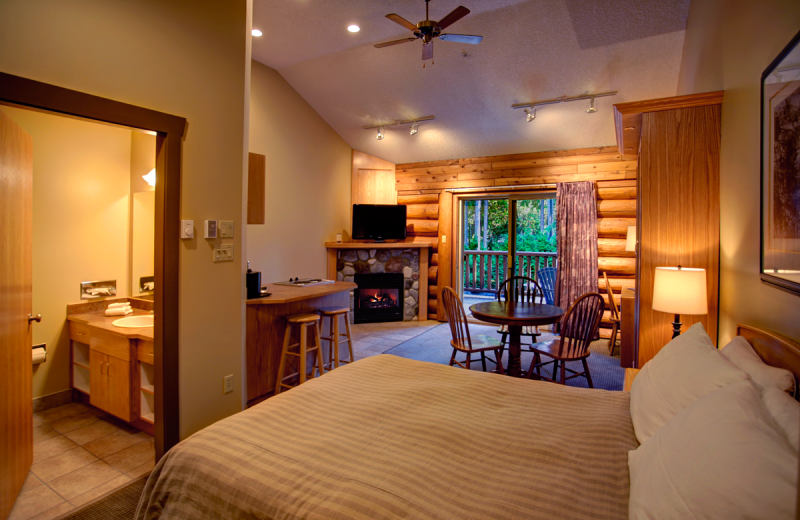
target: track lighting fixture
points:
(530, 108)
(530, 114)
(413, 122)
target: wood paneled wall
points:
(423, 188)
(373, 180)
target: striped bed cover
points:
(388, 437)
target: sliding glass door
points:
(503, 236)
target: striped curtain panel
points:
(576, 227)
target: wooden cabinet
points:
(110, 384)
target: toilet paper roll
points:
(39, 355)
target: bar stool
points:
(334, 313)
(303, 321)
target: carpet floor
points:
(434, 346)
(119, 504)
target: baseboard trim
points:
(46, 402)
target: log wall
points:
(423, 188)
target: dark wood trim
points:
(36, 95)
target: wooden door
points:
(16, 387)
(98, 381)
(118, 374)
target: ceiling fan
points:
(427, 30)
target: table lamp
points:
(680, 290)
(630, 239)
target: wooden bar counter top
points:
(266, 326)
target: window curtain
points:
(576, 228)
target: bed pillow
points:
(740, 353)
(686, 368)
(720, 457)
(786, 412)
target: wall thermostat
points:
(226, 229)
(210, 229)
(187, 228)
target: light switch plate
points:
(210, 229)
(223, 253)
(187, 228)
(226, 229)
(227, 384)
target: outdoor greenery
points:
(486, 226)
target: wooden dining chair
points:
(578, 329)
(615, 320)
(462, 341)
(519, 289)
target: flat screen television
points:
(379, 222)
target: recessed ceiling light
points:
(353, 28)
(256, 32)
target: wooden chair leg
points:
(586, 370)
(318, 341)
(469, 362)
(453, 357)
(282, 366)
(335, 341)
(349, 336)
(563, 373)
(303, 352)
(555, 371)
(612, 343)
(499, 359)
(483, 360)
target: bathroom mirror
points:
(143, 211)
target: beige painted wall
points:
(80, 224)
(307, 176)
(190, 59)
(728, 45)
(143, 206)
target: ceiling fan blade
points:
(395, 42)
(427, 51)
(455, 15)
(396, 18)
(460, 38)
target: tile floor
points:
(79, 454)
(371, 339)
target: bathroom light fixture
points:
(530, 107)
(256, 32)
(353, 28)
(413, 122)
(530, 114)
(150, 178)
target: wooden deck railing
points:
(486, 270)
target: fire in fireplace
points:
(379, 297)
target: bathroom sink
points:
(134, 322)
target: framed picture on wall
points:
(780, 170)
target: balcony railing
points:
(486, 270)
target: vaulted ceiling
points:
(531, 50)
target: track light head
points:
(530, 114)
(380, 133)
(592, 106)
(414, 128)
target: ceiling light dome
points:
(256, 32)
(353, 28)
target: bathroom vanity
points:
(112, 368)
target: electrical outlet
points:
(223, 253)
(228, 384)
(444, 239)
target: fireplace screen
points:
(378, 298)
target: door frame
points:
(27, 93)
(512, 195)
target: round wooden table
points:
(516, 315)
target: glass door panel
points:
(535, 235)
(484, 258)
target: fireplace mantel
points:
(424, 249)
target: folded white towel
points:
(120, 304)
(122, 311)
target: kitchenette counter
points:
(281, 294)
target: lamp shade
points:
(630, 241)
(680, 290)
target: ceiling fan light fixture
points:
(592, 106)
(530, 114)
(353, 28)
(380, 135)
(414, 128)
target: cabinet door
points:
(119, 388)
(98, 385)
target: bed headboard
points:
(774, 349)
